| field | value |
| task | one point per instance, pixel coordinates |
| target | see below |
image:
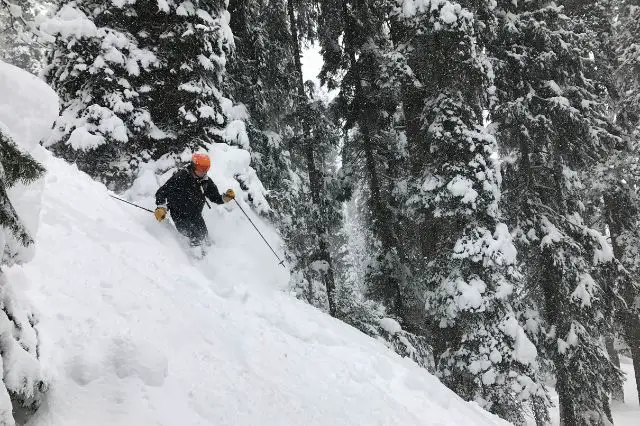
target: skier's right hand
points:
(229, 195)
(160, 213)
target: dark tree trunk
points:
(315, 175)
(540, 411)
(565, 398)
(554, 314)
(382, 226)
(632, 336)
(635, 354)
(358, 31)
(615, 215)
(413, 104)
(617, 393)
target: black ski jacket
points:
(184, 193)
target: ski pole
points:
(263, 238)
(128, 202)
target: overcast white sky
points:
(311, 66)
(311, 63)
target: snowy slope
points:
(28, 107)
(135, 334)
(628, 413)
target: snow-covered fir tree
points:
(353, 304)
(627, 71)
(595, 22)
(259, 72)
(23, 383)
(551, 123)
(620, 210)
(16, 167)
(621, 172)
(366, 70)
(313, 142)
(259, 76)
(317, 214)
(139, 80)
(20, 42)
(467, 264)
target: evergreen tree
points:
(138, 80)
(594, 22)
(351, 305)
(21, 44)
(259, 77)
(622, 201)
(293, 142)
(467, 263)
(621, 211)
(22, 380)
(23, 384)
(319, 210)
(315, 139)
(15, 167)
(259, 73)
(369, 75)
(550, 118)
(628, 67)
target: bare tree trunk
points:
(316, 178)
(565, 398)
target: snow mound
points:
(69, 22)
(28, 107)
(390, 325)
(27, 110)
(133, 332)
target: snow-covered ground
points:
(134, 333)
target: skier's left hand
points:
(229, 195)
(160, 213)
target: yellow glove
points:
(160, 213)
(229, 195)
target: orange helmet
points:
(201, 162)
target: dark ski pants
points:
(192, 227)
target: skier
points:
(184, 196)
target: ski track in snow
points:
(135, 333)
